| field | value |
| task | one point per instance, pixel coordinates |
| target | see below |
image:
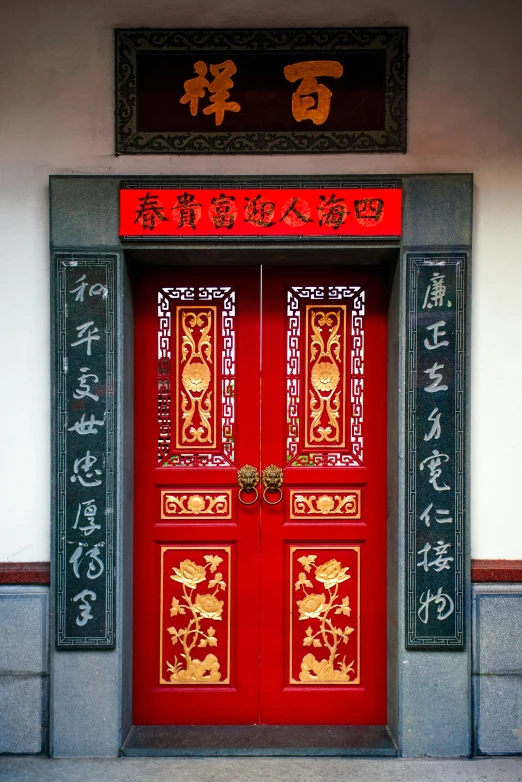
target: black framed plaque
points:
(84, 449)
(436, 384)
(288, 91)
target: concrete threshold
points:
(259, 740)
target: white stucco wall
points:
(56, 117)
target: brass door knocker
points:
(272, 480)
(247, 480)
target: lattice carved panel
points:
(196, 376)
(325, 376)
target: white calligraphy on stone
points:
(85, 387)
(85, 465)
(434, 374)
(426, 518)
(434, 463)
(86, 426)
(95, 290)
(92, 335)
(89, 512)
(444, 603)
(436, 333)
(84, 607)
(440, 551)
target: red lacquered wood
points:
(237, 702)
(260, 689)
(281, 701)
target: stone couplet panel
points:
(436, 398)
(84, 452)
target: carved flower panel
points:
(202, 505)
(196, 382)
(330, 505)
(324, 615)
(195, 615)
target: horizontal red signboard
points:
(320, 212)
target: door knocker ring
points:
(247, 479)
(272, 480)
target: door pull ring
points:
(247, 480)
(272, 480)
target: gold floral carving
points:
(197, 327)
(200, 604)
(326, 354)
(208, 504)
(346, 505)
(323, 608)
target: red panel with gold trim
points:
(316, 505)
(196, 616)
(325, 629)
(204, 505)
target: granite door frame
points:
(90, 691)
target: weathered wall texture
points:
(56, 94)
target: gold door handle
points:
(247, 480)
(272, 480)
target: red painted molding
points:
(34, 573)
(483, 570)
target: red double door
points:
(265, 604)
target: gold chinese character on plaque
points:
(218, 89)
(304, 105)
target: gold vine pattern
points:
(197, 607)
(322, 633)
(325, 377)
(197, 505)
(346, 505)
(196, 377)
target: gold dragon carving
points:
(325, 376)
(321, 633)
(196, 355)
(198, 607)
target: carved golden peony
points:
(325, 376)
(206, 670)
(189, 573)
(311, 606)
(323, 670)
(331, 573)
(196, 376)
(196, 504)
(208, 606)
(325, 503)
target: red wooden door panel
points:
(323, 620)
(260, 613)
(196, 422)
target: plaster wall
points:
(465, 114)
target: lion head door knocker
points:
(247, 480)
(272, 480)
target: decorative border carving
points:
(393, 40)
(435, 450)
(330, 505)
(186, 505)
(84, 453)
